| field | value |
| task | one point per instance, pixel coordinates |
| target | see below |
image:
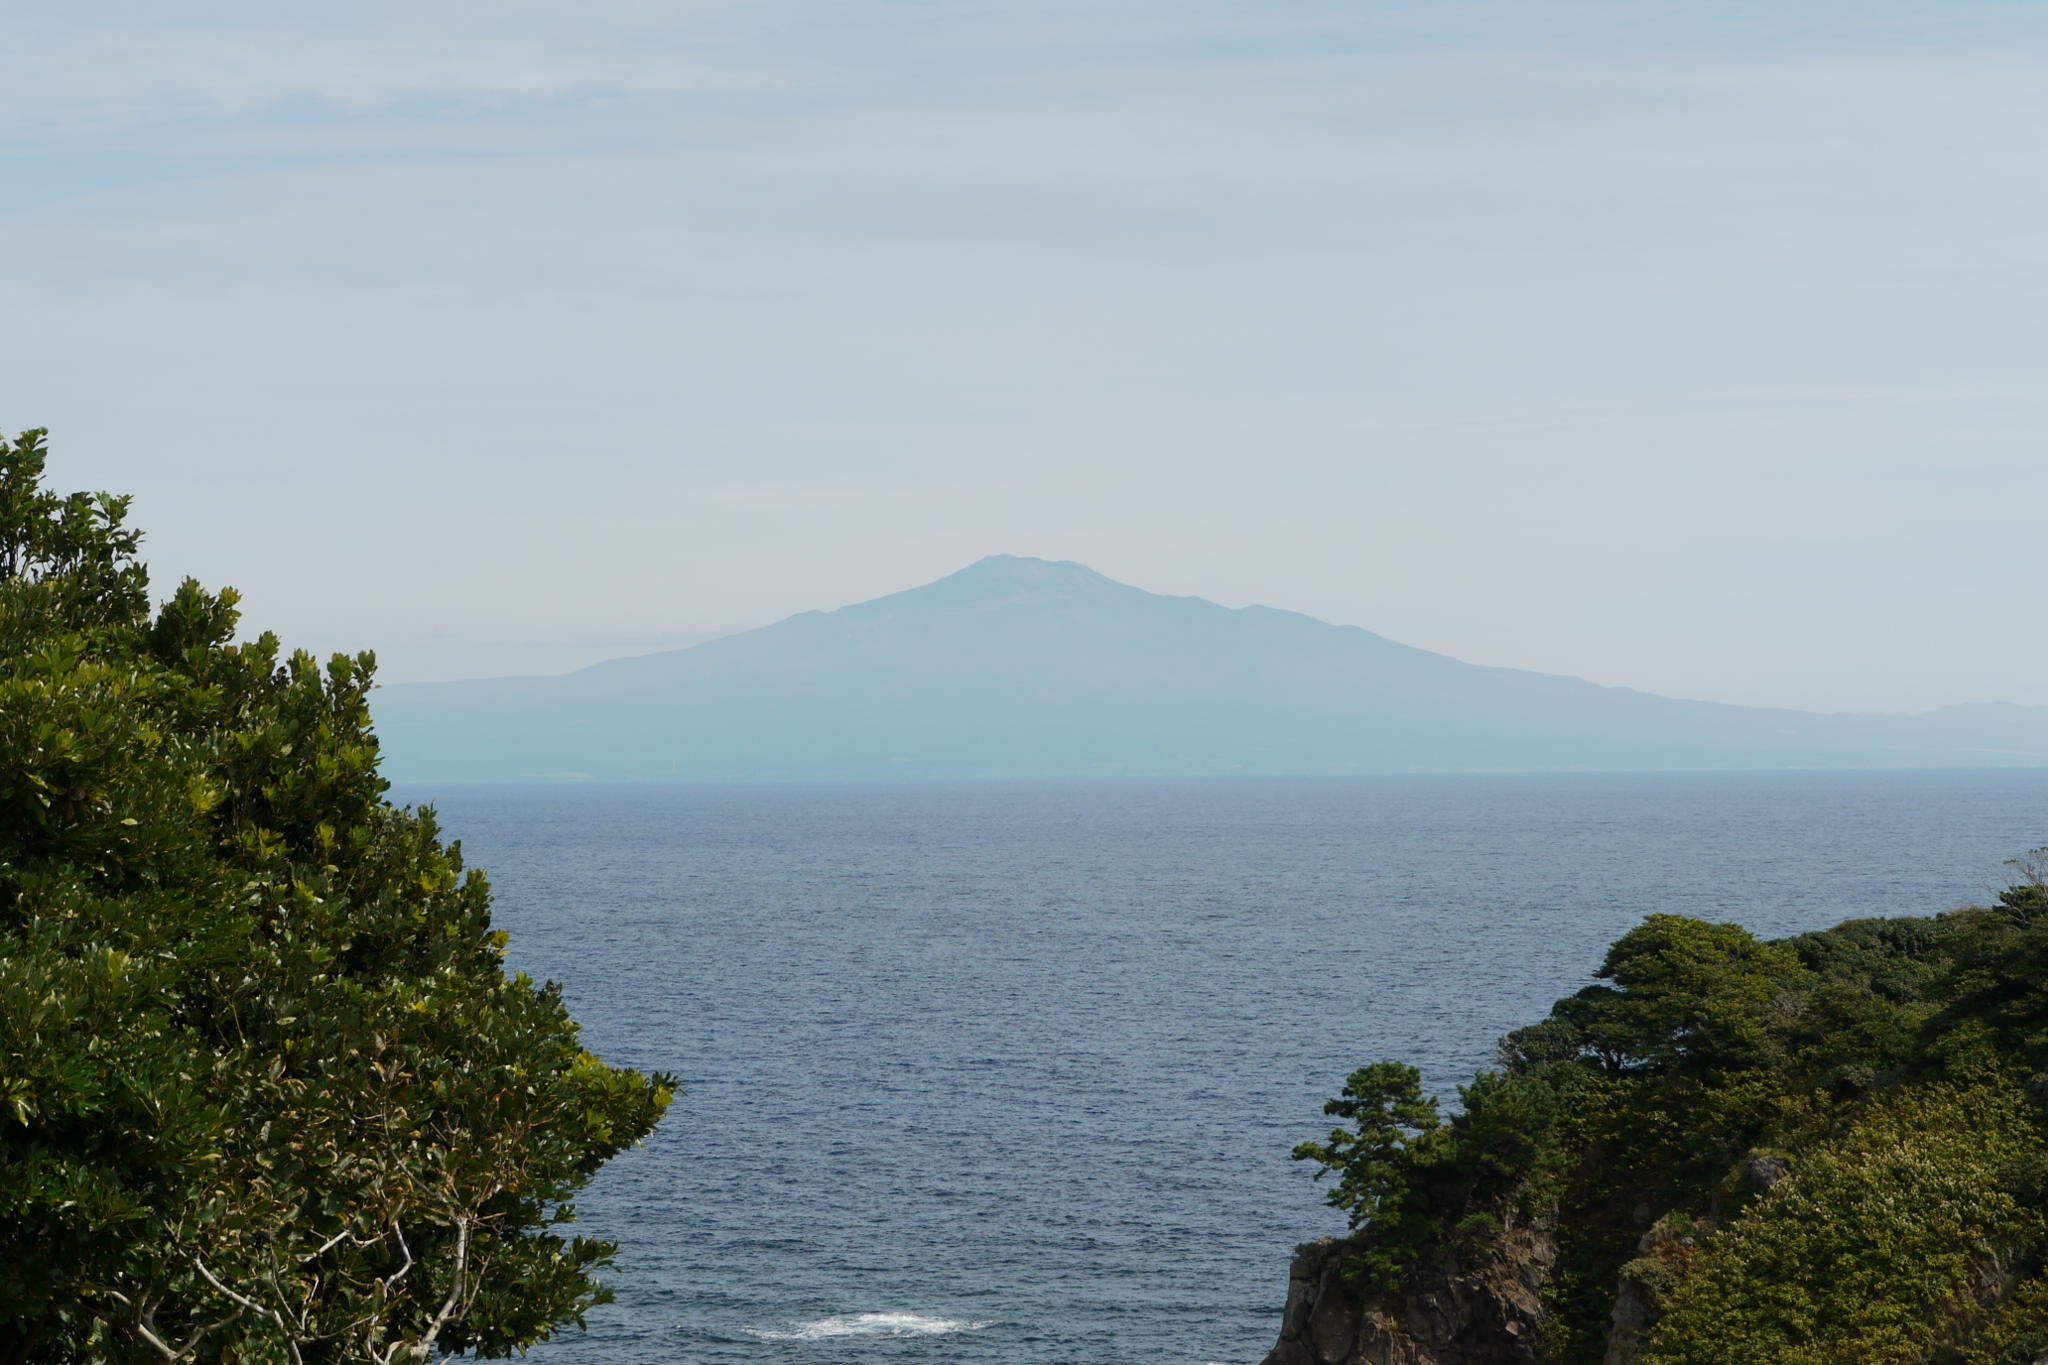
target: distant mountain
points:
(1018, 667)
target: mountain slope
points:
(1019, 667)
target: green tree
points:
(1377, 1161)
(267, 1093)
(1879, 1247)
(1689, 996)
(1832, 1147)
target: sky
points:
(1697, 348)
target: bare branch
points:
(398, 1232)
(142, 1330)
(291, 1344)
(331, 1243)
(457, 1279)
(199, 1333)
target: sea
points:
(1010, 1071)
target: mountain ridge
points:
(1022, 667)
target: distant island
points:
(1030, 668)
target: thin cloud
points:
(1463, 329)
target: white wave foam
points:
(873, 1325)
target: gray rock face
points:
(1763, 1170)
(1448, 1311)
(1663, 1255)
(1634, 1314)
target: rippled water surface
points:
(1009, 1072)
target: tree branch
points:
(457, 1281)
(291, 1343)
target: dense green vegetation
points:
(1829, 1148)
(266, 1091)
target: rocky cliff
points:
(1725, 1152)
(1452, 1309)
(1485, 1306)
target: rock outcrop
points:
(1663, 1256)
(1482, 1308)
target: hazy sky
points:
(1697, 347)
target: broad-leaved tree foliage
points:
(267, 1093)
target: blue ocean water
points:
(1010, 1071)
